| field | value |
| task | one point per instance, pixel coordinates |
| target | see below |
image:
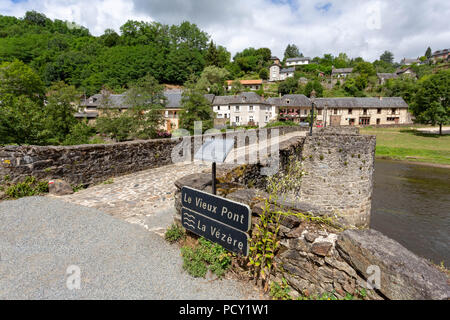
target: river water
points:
(411, 204)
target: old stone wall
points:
(318, 257)
(338, 173)
(87, 164)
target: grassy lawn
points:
(410, 145)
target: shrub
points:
(205, 256)
(30, 187)
(174, 233)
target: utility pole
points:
(312, 97)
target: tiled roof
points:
(342, 70)
(243, 98)
(290, 100)
(286, 70)
(298, 59)
(246, 82)
(385, 102)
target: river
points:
(411, 204)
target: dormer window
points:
(288, 101)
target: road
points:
(40, 238)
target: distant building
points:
(247, 108)
(409, 72)
(341, 73)
(409, 62)
(292, 62)
(280, 74)
(291, 107)
(443, 55)
(248, 84)
(96, 106)
(383, 77)
(362, 111)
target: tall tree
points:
(432, 100)
(147, 102)
(212, 55)
(292, 51)
(387, 57)
(428, 53)
(195, 108)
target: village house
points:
(291, 107)
(280, 74)
(341, 72)
(247, 108)
(300, 61)
(362, 111)
(383, 77)
(253, 85)
(441, 55)
(97, 105)
(409, 62)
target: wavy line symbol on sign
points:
(189, 222)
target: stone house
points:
(247, 108)
(341, 72)
(291, 107)
(383, 77)
(300, 61)
(280, 74)
(408, 72)
(96, 106)
(409, 62)
(443, 55)
(362, 111)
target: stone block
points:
(404, 275)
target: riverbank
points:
(411, 145)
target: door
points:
(335, 121)
(351, 122)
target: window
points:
(394, 111)
(250, 118)
(350, 111)
(237, 109)
(319, 112)
(335, 111)
(267, 119)
(250, 108)
(364, 121)
(237, 119)
(218, 108)
(379, 111)
(364, 111)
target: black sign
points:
(231, 213)
(228, 237)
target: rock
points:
(310, 237)
(321, 248)
(404, 276)
(59, 187)
(197, 181)
(2, 195)
(247, 196)
(297, 232)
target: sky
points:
(362, 28)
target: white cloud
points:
(363, 28)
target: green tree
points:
(212, 55)
(316, 86)
(387, 57)
(365, 68)
(213, 78)
(59, 111)
(432, 101)
(195, 108)
(237, 87)
(21, 121)
(17, 79)
(288, 86)
(292, 51)
(264, 73)
(147, 102)
(428, 53)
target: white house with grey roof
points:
(247, 108)
(299, 61)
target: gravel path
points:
(41, 237)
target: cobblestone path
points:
(143, 198)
